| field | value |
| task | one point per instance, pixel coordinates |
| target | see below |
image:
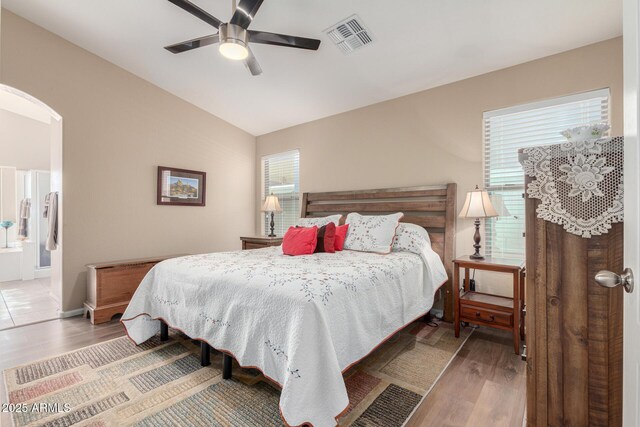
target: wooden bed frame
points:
(432, 207)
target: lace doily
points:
(579, 183)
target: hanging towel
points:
(45, 211)
(51, 214)
(25, 214)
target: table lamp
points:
(477, 205)
(272, 205)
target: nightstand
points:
(258, 242)
(486, 309)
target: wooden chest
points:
(111, 285)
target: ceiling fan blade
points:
(245, 12)
(197, 12)
(193, 44)
(283, 40)
(252, 64)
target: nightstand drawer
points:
(248, 245)
(485, 315)
(259, 242)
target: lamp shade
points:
(498, 204)
(477, 205)
(271, 204)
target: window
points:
(508, 130)
(281, 177)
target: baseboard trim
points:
(42, 273)
(71, 313)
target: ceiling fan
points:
(234, 36)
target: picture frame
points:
(181, 187)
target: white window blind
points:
(508, 130)
(281, 177)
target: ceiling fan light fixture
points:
(234, 51)
(234, 35)
(233, 42)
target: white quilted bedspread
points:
(301, 320)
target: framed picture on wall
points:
(181, 187)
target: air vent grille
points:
(349, 35)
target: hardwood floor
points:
(483, 385)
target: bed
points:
(305, 320)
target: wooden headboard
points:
(432, 207)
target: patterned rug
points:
(116, 383)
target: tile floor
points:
(26, 301)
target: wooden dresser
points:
(111, 285)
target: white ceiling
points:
(419, 44)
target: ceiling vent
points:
(349, 35)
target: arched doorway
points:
(20, 104)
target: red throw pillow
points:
(341, 234)
(300, 240)
(326, 238)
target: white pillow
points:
(371, 233)
(411, 238)
(319, 222)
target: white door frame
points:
(56, 185)
(631, 369)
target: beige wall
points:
(24, 142)
(117, 130)
(435, 136)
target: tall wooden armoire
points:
(574, 325)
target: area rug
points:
(116, 383)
